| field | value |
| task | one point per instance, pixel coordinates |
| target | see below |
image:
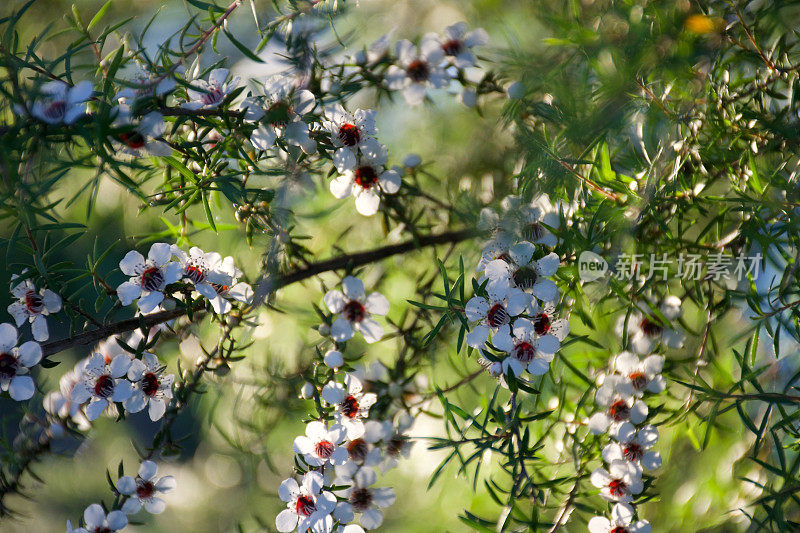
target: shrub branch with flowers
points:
(594, 300)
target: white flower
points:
(366, 178)
(544, 321)
(621, 522)
(145, 85)
(494, 313)
(210, 94)
(645, 331)
(496, 248)
(234, 290)
(142, 137)
(365, 499)
(333, 359)
(351, 404)
(203, 270)
(620, 482)
(348, 132)
(307, 504)
(457, 44)
(59, 403)
(363, 451)
(151, 387)
(321, 445)
(101, 384)
(395, 442)
(148, 277)
(526, 221)
(526, 349)
(59, 103)
(633, 445)
(97, 521)
(144, 489)
(33, 306)
(617, 407)
(281, 114)
(417, 69)
(354, 310)
(15, 363)
(526, 273)
(639, 376)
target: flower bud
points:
(307, 391)
(324, 330)
(412, 161)
(516, 90)
(333, 359)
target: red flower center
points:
(650, 328)
(639, 380)
(102, 529)
(632, 451)
(349, 406)
(525, 277)
(152, 279)
(8, 366)
(541, 324)
(34, 302)
(133, 139)
(360, 499)
(617, 487)
(324, 449)
(195, 273)
(452, 47)
(533, 232)
(212, 97)
(56, 109)
(396, 445)
(619, 410)
(524, 352)
(150, 384)
(305, 505)
(279, 114)
(357, 449)
(366, 176)
(497, 316)
(145, 489)
(349, 134)
(418, 71)
(104, 386)
(619, 529)
(354, 311)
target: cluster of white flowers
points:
(343, 451)
(144, 490)
(518, 307)
(622, 415)
(213, 277)
(33, 306)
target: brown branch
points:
(335, 263)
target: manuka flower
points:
(140, 137)
(367, 179)
(306, 505)
(352, 405)
(616, 407)
(96, 521)
(621, 521)
(280, 115)
(494, 313)
(417, 69)
(354, 309)
(457, 44)
(619, 483)
(348, 132)
(234, 290)
(321, 444)
(59, 103)
(33, 306)
(638, 375)
(151, 387)
(210, 94)
(362, 497)
(203, 270)
(149, 277)
(101, 384)
(526, 273)
(526, 349)
(59, 404)
(645, 331)
(633, 445)
(144, 489)
(15, 363)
